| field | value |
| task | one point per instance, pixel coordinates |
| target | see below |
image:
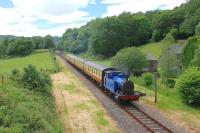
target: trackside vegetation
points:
(26, 103)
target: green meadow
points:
(41, 59)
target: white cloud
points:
(118, 6)
(20, 19)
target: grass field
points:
(41, 59)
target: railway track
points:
(152, 125)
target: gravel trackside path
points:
(79, 110)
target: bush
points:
(147, 79)
(171, 83)
(15, 75)
(189, 86)
(35, 80)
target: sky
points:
(42, 17)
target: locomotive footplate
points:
(134, 97)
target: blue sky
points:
(6, 3)
(42, 17)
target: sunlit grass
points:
(41, 59)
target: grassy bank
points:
(24, 110)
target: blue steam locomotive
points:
(116, 82)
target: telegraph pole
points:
(155, 87)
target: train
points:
(112, 80)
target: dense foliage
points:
(105, 36)
(190, 50)
(130, 60)
(189, 86)
(24, 45)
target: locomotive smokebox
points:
(128, 88)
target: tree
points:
(20, 46)
(37, 42)
(48, 42)
(23, 46)
(115, 33)
(168, 65)
(130, 60)
(189, 51)
(3, 49)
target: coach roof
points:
(96, 66)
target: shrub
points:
(171, 83)
(189, 86)
(147, 79)
(35, 80)
(15, 75)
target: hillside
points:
(2, 37)
(155, 48)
